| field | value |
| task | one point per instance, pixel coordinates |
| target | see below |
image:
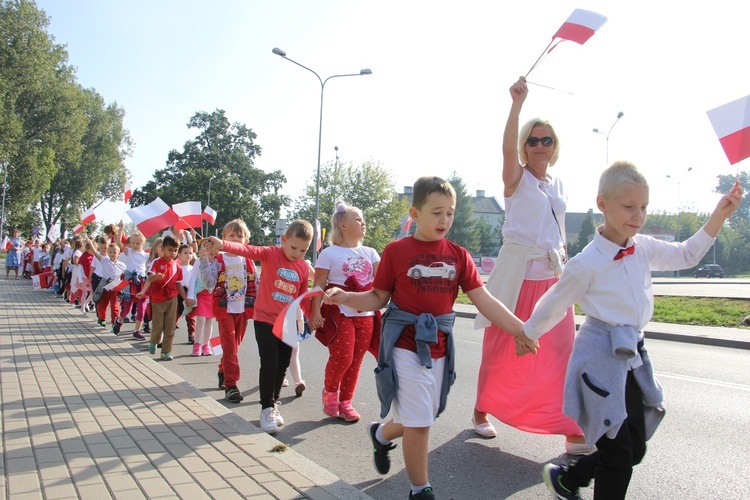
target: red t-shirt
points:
(85, 261)
(165, 288)
(424, 277)
(281, 280)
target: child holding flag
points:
(286, 274)
(135, 272)
(111, 269)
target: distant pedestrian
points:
(11, 259)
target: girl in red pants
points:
(348, 333)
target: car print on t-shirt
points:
(436, 269)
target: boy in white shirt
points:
(610, 389)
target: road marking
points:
(688, 378)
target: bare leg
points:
(415, 446)
(480, 417)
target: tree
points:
(725, 185)
(489, 238)
(224, 155)
(368, 187)
(463, 231)
(587, 229)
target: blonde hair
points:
(342, 211)
(138, 236)
(427, 185)
(236, 226)
(154, 253)
(618, 174)
(525, 133)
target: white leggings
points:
(203, 328)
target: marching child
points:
(185, 257)
(286, 274)
(112, 269)
(75, 269)
(27, 254)
(154, 253)
(86, 270)
(233, 280)
(36, 255)
(200, 299)
(96, 276)
(610, 389)
(163, 286)
(135, 272)
(416, 357)
(350, 266)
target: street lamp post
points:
(679, 205)
(335, 175)
(5, 187)
(362, 72)
(596, 130)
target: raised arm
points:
(512, 170)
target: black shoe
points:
(101, 322)
(221, 381)
(233, 395)
(425, 494)
(382, 461)
(191, 340)
(146, 328)
(158, 345)
(553, 475)
(116, 327)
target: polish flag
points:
(152, 218)
(117, 285)
(319, 238)
(209, 214)
(128, 192)
(88, 216)
(215, 343)
(189, 213)
(580, 26)
(78, 229)
(285, 327)
(732, 124)
(6, 244)
(407, 226)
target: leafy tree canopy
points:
(463, 231)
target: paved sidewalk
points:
(738, 338)
(87, 415)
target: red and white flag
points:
(732, 124)
(78, 229)
(215, 343)
(209, 214)
(580, 26)
(6, 243)
(189, 213)
(117, 285)
(407, 226)
(128, 192)
(318, 237)
(88, 216)
(153, 217)
(285, 326)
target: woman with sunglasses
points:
(526, 391)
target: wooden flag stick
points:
(547, 87)
(539, 58)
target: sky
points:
(437, 100)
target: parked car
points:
(709, 271)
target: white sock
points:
(417, 489)
(379, 435)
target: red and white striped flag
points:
(189, 213)
(215, 343)
(209, 214)
(406, 226)
(153, 217)
(128, 192)
(88, 216)
(78, 229)
(285, 326)
(117, 285)
(318, 237)
(732, 124)
(6, 243)
(580, 26)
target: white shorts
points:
(418, 396)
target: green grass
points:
(689, 310)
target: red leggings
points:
(231, 332)
(346, 352)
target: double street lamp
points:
(596, 130)
(362, 72)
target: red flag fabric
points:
(117, 285)
(732, 124)
(78, 229)
(6, 243)
(88, 216)
(285, 326)
(153, 217)
(407, 226)
(128, 192)
(215, 343)
(580, 26)
(189, 213)
(209, 214)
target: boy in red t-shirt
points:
(286, 274)
(420, 275)
(163, 286)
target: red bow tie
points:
(625, 251)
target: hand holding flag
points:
(285, 327)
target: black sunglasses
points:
(546, 141)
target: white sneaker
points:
(277, 416)
(578, 449)
(486, 429)
(268, 420)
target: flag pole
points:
(539, 58)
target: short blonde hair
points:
(236, 226)
(616, 175)
(138, 236)
(427, 185)
(525, 133)
(341, 212)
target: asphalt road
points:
(700, 451)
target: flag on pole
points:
(6, 243)
(128, 192)
(78, 229)
(215, 343)
(189, 213)
(285, 326)
(209, 215)
(88, 216)
(117, 285)
(580, 26)
(407, 225)
(319, 239)
(152, 218)
(731, 123)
